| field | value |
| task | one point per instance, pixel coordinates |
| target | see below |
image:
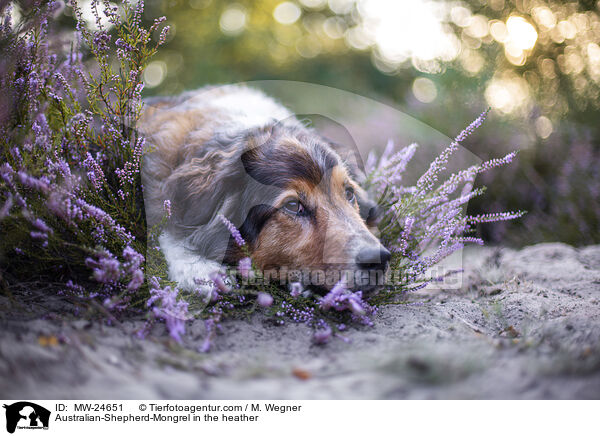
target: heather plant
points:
(71, 198)
(72, 204)
(425, 223)
(558, 181)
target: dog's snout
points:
(373, 257)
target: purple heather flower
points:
(355, 304)
(163, 35)
(233, 230)
(38, 235)
(492, 163)
(205, 347)
(101, 41)
(390, 169)
(5, 209)
(220, 285)
(371, 162)
(328, 300)
(132, 256)
(493, 217)
(106, 269)
(41, 226)
(409, 221)
(245, 268)
(32, 182)
(322, 335)
(472, 239)
(137, 279)
(264, 299)
(422, 218)
(75, 288)
(95, 173)
(340, 298)
(296, 289)
(6, 172)
(172, 310)
(167, 206)
(304, 315)
(427, 180)
(473, 126)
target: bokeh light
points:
(89, 15)
(314, 4)
(233, 20)
(548, 49)
(509, 93)
(155, 73)
(406, 30)
(424, 90)
(286, 13)
(543, 127)
(521, 33)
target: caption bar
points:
(65, 418)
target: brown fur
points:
(298, 246)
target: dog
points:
(233, 152)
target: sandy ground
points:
(525, 325)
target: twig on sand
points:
(470, 325)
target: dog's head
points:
(294, 199)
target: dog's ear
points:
(210, 183)
(215, 182)
(198, 187)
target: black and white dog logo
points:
(26, 415)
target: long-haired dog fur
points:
(234, 151)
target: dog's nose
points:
(373, 257)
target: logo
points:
(26, 415)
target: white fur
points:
(245, 107)
(251, 108)
(186, 267)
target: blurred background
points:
(536, 63)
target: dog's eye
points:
(293, 206)
(350, 196)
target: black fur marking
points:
(276, 164)
(255, 221)
(369, 211)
